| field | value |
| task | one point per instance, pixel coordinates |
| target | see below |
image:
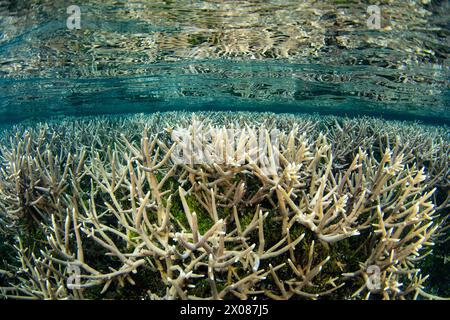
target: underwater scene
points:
(224, 150)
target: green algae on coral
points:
(140, 227)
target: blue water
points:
(282, 56)
(279, 56)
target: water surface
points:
(280, 56)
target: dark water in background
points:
(279, 56)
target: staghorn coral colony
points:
(97, 209)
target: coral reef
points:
(98, 209)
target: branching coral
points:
(106, 213)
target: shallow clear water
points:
(283, 56)
(280, 56)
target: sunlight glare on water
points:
(282, 56)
